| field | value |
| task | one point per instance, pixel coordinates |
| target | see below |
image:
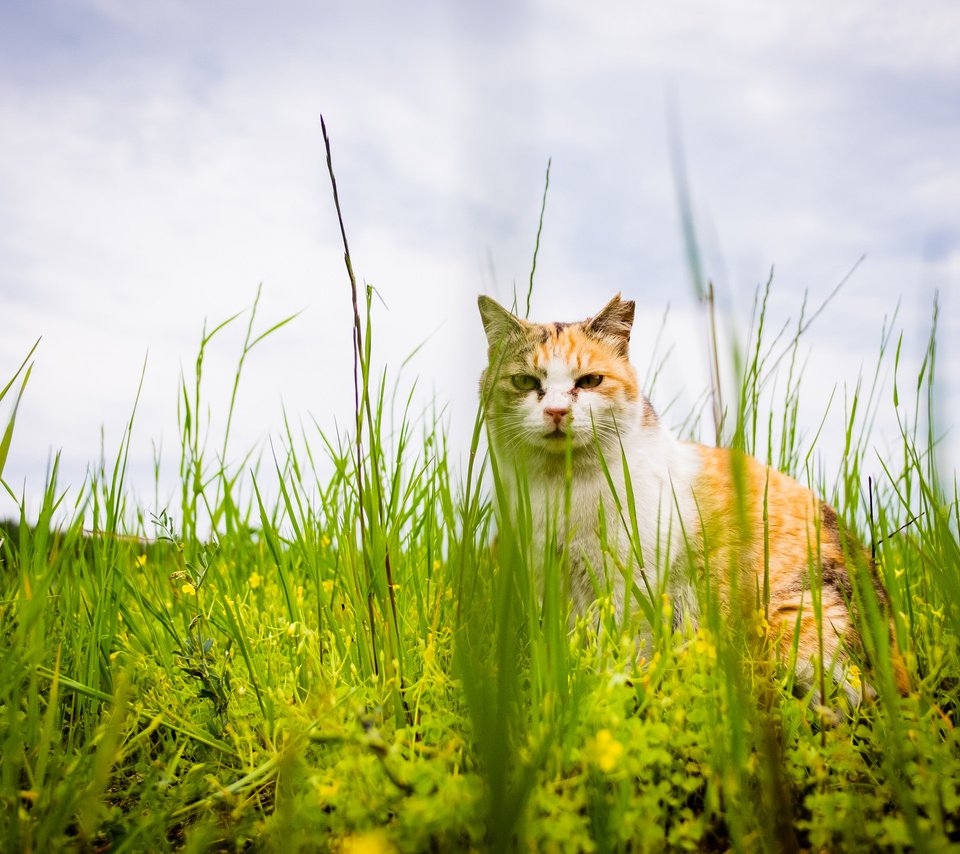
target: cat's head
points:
(548, 383)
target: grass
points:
(355, 666)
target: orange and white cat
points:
(551, 386)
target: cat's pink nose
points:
(556, 414)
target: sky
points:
(161, 161)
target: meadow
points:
(354, 667)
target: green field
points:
(354, 667)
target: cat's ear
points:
(498, 323)
(613, 324)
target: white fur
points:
(662, 472)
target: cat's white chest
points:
(620, 528)
(569, 532)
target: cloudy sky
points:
(158, 161)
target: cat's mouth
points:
(556, 434)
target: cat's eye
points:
(524, 382)
(589, 380)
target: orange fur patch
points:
(757, 523)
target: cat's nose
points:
(557, 414)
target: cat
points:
(560, 394)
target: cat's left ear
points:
(613, 324)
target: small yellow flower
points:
(255, 581)
(605, 750)
(436, 565)
(703, 645)
(763, 627)
(372, 842)
(141, 561)
(328, 586)
(324, 541)
(188, 589)
(853, 677)
(292, 629)
(328, 790)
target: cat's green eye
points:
(524, 382)
(589, 380)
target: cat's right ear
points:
(498, 323)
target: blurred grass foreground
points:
(353, 667)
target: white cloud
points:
(171, 160)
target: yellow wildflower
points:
(324, 541)
(188, 589)
(141, 561)
(255, 581)
(605, 750)
(328, 791)
(762, 625)
(436, 565)
(703, 645)
(371, 842)
(853, 677)
(328, 586)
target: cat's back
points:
(761, 518)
